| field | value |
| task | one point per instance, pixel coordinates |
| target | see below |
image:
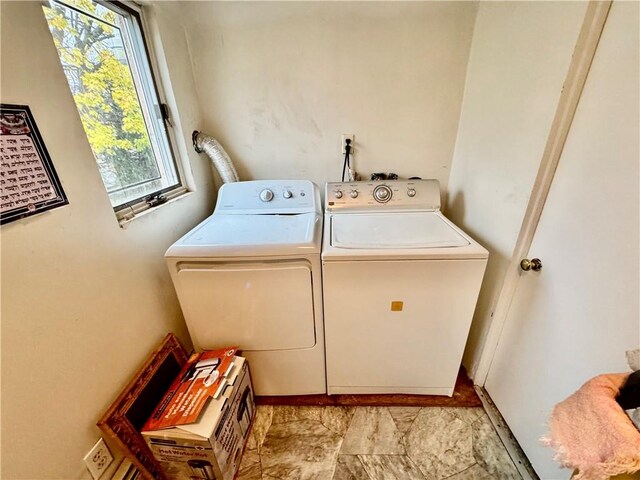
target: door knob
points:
(534, 264)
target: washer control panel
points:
(386, 195)
(382, 193)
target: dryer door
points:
(257, 306)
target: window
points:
(104, 57)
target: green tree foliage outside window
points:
(92, 53)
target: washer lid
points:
(245, 235)
(387, 231)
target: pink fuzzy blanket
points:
(591, 433)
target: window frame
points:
(129, 210)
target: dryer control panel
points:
(268, 197)
(421, 195)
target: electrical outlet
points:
(351, 137)
(98, 459)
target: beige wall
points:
(279, 82)
(519, 59)
(83, 300)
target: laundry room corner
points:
(83, 300)
(501, 137)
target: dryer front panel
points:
(257, 306)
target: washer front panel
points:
(396, 326)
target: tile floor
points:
(374, 443)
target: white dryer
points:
(400, 287)
(250, 275)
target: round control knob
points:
(411, 192)
(337, 194)
(287, 194)
(353, 194)
(382, 194)
(266, 195)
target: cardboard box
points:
(211, 448)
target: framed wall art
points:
(29, 183)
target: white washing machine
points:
(400, 287)
(250, 275)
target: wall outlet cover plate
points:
(98, 459)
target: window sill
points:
(126, 220)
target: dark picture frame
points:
(29, 158)
(123, 420)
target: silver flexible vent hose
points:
(220, 159)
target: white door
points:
(576, 317)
